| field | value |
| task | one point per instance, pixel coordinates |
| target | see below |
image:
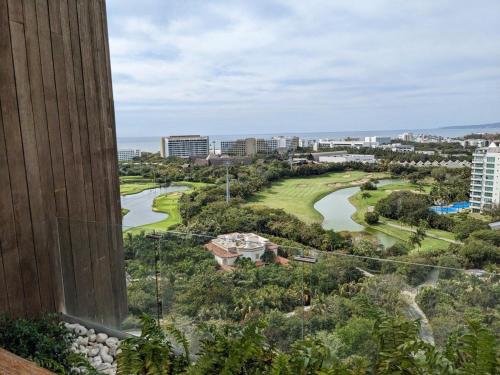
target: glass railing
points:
(198, 283)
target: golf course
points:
(298, 195)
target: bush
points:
(464, 228)
(44, 341)
(371, 218)
(368, 186)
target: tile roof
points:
(221, 253)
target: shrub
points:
(44, 341)
(464, 228)
(371, 218)
(368, 186)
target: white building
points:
(406, 137)
(347, 158)
(378, 140)
(398, 147)
(474, 142)
(184, 146)
(332, 143)
(485, 177)
(128, 154)
(226, 248)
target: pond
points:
(141, 206)
(337, 212)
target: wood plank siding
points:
(60, 241)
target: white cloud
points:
(224, 58)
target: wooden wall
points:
(58, 162)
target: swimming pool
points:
(451, 209)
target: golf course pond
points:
(140, 206)
(337, 212)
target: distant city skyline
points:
(242, 67)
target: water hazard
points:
(141, 206)
(337, 212)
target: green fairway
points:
(298, 195)
(135, 184)
(394, 228)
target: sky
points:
(270, 66)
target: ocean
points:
(152, 144)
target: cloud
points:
(296, 65)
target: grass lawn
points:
(362, 205)
(135, 184)
(298, 195)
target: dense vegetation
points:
(44, 341)
(253, 320)
(396, 349)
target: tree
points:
(368, 186)
(371, 218)
(417, 237)
(464, 228)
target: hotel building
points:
(128, 154)
(485, 177)
(184, 146)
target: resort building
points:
(226, 248)
(485, 177)
(253, 146)
(398, 147)
(378, 140)
(347, 158)
(331, 143)
(184, 146)
(406, 137)
(128, 154)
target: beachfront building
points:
(226, 248)
(253, 146)
(378, 140)
(399, 147)
(128, 154)
(343, 157)
(332, 143)
(184, 146)
(485, 177)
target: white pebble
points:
(101, 337)
(112, 341)
(83, 341)
(93, 352)
(80, 330)
(92, 337)
(107, 358)
(96, 361)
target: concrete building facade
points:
(128, 154)
(184, 146)
(485, 177)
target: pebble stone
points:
(100, 349)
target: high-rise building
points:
(485, 177)
(406, 137)
(184, 146)
(267, 146)
(128, 154)
(239, 147)
(253, 146)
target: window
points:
(490, 159)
